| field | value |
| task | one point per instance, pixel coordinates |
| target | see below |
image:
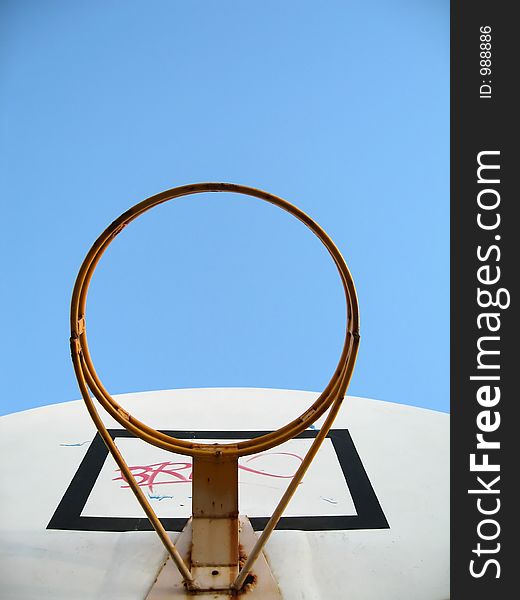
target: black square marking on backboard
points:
(369, 512)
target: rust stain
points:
(251, 578)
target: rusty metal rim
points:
(88, 378)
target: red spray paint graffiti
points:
(181, 472)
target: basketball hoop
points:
(210, 561)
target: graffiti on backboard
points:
(167, 472)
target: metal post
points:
(214, 554)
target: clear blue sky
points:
(340, 107)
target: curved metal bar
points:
(298, 476)
(129, 477)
